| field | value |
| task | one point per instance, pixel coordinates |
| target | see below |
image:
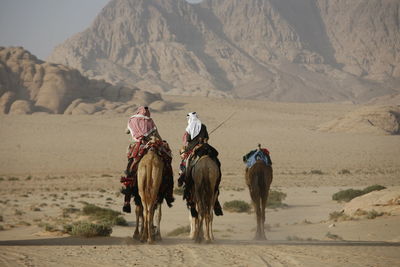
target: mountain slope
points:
(292, 50)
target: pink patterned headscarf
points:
(141, 124)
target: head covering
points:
(141, 124)
(194, 124)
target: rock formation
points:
(291, 50)
(29, 85)
(380, 120)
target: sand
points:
(51, 162)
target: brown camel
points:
(258, 179)
(149, 176)
(205, 173)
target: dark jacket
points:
(199, 139)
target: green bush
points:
(103, 215)
(275, 199)
(178, 191)
(339, 216)
(375, 187)
(87, 229)
(349, 194)
(373, 214)
(237, 206)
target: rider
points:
(196, 134)
(141, 127)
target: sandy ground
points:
(49, 163)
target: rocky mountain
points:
(29, 85)
(282, 50)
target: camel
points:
(205, 173)
(258, 179)
(149, 178)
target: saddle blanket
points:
(251, 158)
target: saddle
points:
(258, 154)
(136, 153)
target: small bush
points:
(373, 214)
(13, 179)
(371, 188)
(237, 206)
(179, 231)
(349, 194)
(339, 216)
(333, 236)
(1, 218)
(2, 228)
(178, 191)
(103, 215)
(275, 199)
(344, 172)
(87, 229)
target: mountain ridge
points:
(301, 51)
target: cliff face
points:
(29, 85)
(292, 50)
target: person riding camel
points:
(142, 128)
(195, 141)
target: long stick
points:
(222, 123)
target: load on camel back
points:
(145, 137)
(195, 146)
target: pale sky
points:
(40, 25)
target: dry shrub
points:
(178, 191)
(103, 215)
(333, 236)
(349, 194)
(237, 206)
(88, 229)
(179, 231)
(339, 216)
(275, 199)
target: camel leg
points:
(207, 222)
(192, 221)
(158, 222)
(211, 224)
(258, 214)
(139, 220)
(263, 206)
(145, 223)
(199, 229)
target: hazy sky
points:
(39, 25)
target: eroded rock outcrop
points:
(380, 120)
(29, 85)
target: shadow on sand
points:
(108, 241)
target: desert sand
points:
(51, 162)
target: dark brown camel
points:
(258, 179)
(205, 174)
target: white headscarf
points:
(194, 124)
